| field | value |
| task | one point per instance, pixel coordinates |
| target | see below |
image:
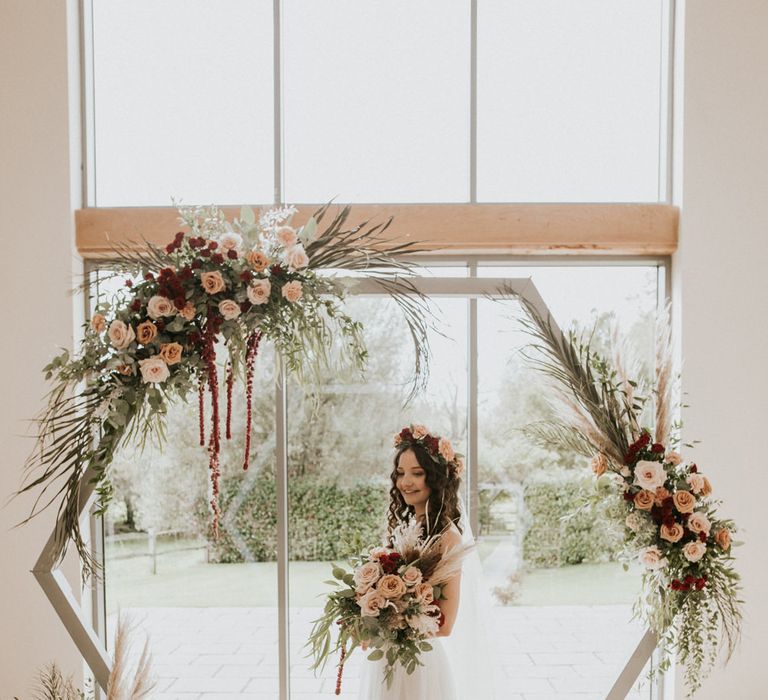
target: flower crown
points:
(439, 449)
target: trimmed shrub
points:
(584, 535)
(325, 521)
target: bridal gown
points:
(432, 681)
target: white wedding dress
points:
(461, 666)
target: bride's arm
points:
(449, 606)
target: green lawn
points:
(183, 579)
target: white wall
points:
(722, 288)
(37, 254)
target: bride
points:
(425, 485)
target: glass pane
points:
(376, 101)
(340, 459)
(563, 600)
(568, 100)
(183, 102)
(208, 606)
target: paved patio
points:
(549, 653)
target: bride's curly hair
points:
(443, 504)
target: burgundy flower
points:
(703, 536)
(405, 434)
(700, 583)
(232, 254)
(432, 443)
(136, 305)
(217, 258)
(149, 277)
(205, 253)
(170, 248)
(244, 306)
(693, 469)
(276, 270)
(657, 447)
(675, 585)
(179, 235)
(179, 303)
(213, 245)
(160, 324)
(246, 275)
(129, 283)
(186, 273)
(197, 264)
(628, 496)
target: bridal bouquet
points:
(387, 601)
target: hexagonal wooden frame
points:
(59, 592)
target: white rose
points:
(673, 458)
(159, 306)
(229, 309)
(633, 521)
(231, 241)
(693, 551)
(120, 335)
(296, 257)
(154, 370)
(652, 558)
(259, 291)
(650, 475)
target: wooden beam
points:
(624, 229)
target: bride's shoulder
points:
(451, 536)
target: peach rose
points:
(120, 335)
(419, 431)
(229, 309)
(257, 260)
(292, 291)
(230, 241)
(367, 574)
(188, 312)
(661, 495)
(153, 370)
(696, 482)
(459, 466)
(723, 538)
(258, 292)
(707, 488)
(424, 593)
(671, 533)
(624, 471)
(650, 475)
(171, 353)
(699, 522)
(599, 464)
(296, 257)
(695, 550)
(412, 576)
(287, 236)
(684, 501)
(372, 603)
(673, 458)
(158, 306)
(652, 558)
(390, 586)
(644, 500)
(212, 282)
(98, 323)
(146, 332)
(446, 449)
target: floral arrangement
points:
(226, 283)
(690, 589)
(388, 601)
(438, 448)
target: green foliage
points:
(326, 521)
(565, 527)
